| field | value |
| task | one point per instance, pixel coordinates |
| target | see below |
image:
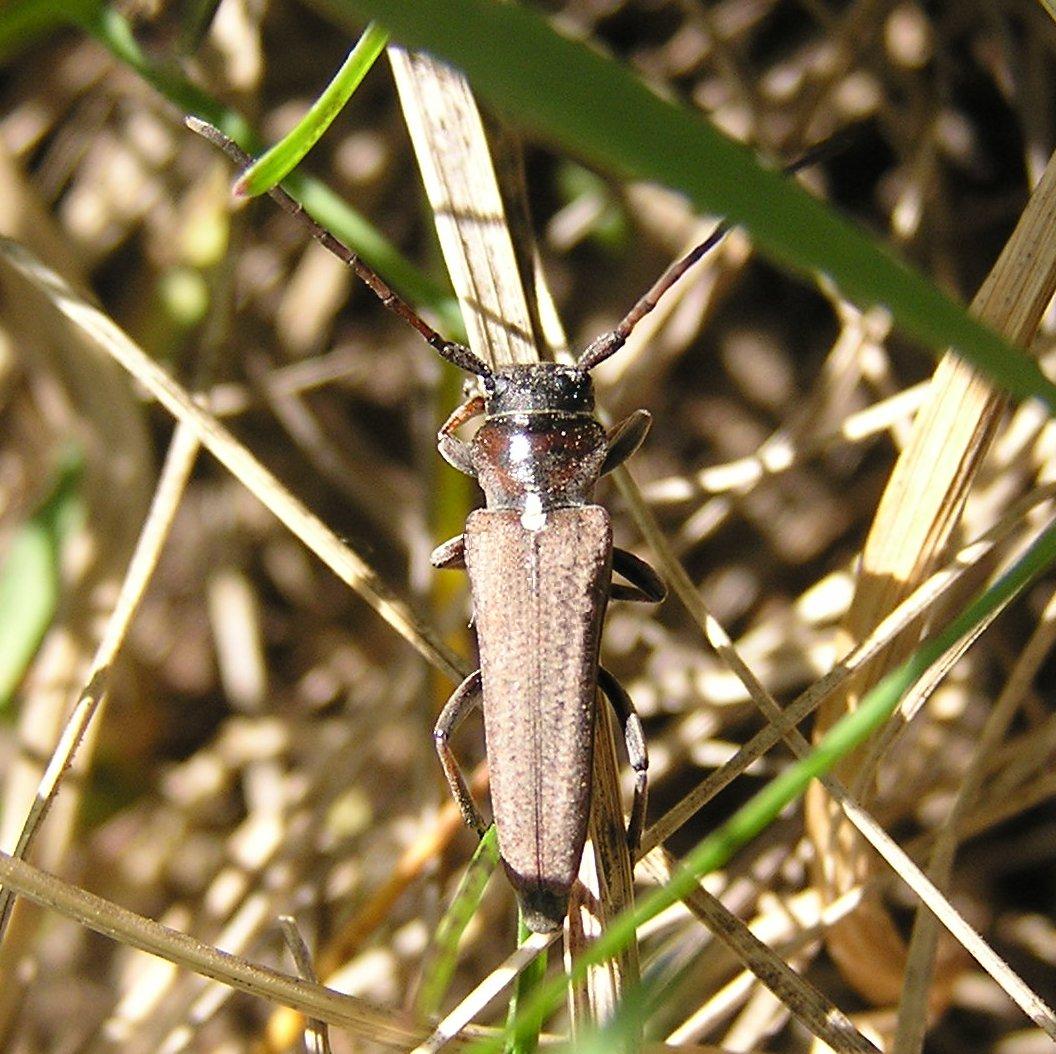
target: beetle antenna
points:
(609, 343)
(455, 353)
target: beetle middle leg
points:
(646, 585)
(450, 555)
(634, 737)
(465, 698)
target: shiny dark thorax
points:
(540, 446)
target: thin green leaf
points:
(113, 31)
(523, 1036)
(271, 169)
(599, 111)
(22, 24)
(29, 579)
(464, 905)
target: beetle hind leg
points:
(465, 698)
(634, 737)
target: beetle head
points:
(541, 387)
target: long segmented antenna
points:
(458, 354)
(455, 353)
(609, 343)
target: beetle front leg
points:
(452, 449)
(465, 698)
(626, 438)
(634, 737)
(450, 555)
(456, 453)
(646, 585)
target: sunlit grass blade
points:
(29, 579)
(761, 810)
(463, 907)
(282, 158)
(599, 111)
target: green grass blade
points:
(30, 580)
(599, 111)
(22, 24)
(357, 232)
(271, 169)
(463, 907)
(761, 810)
(523, 1035)
(113, 30)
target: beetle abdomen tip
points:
(543, 908)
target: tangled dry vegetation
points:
(262, 740)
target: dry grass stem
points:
(178, 464)
(313, 1000)
(317, 1037)
(907, 538)
(470, 214)
(474, 1003)
(345, 563)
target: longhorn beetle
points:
(540, 560)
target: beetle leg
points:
(626, 438)
(452, 449)
(646, 585)
(636, 751)
(451, 555)
(456, 453)
(465, 698)
(472, 407)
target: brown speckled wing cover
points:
(539, 600)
